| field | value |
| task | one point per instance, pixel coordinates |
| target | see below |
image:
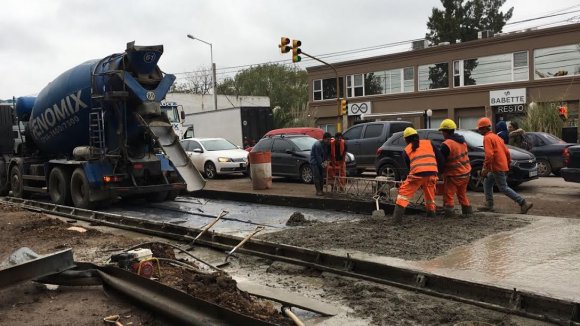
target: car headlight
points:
(224, 159)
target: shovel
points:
(248, 237)
(221, 214)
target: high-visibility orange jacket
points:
(457, 162)
(423, 159)
(337, 150)
(497, 155)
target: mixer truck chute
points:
(97, 131)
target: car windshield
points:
(303, 143)
(472, 138)
(217, 145)
(551, 139)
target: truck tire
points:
(80, 190)
(4, 180)
(59, 186)
(17, 183)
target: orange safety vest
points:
(333, 150)
(457, 163)
(423, 158)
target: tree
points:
(197, 82)
(461, 20)
(285, 85)
(543, 116)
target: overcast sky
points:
(40, 39)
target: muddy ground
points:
(417, 238)
(31, 303)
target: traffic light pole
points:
(339, 116)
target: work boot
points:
(430, 214)
(525, 207)
(466, 211)
(449, 212)
(488, 207)
(398, 214)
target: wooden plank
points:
(288, 298)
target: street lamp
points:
(212, 69)
(429, 113)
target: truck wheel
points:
(210, 170)
(59, 186)
(80, 190)
(17, 183)
(4, 180)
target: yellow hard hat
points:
(447, 124)
(409, 132)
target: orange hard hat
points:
(483, 122)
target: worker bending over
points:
(456, 171)
(496, 167)
(422, 158)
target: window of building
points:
(469, 123)
(325, 89)
(557, 61)
(373, 131)
(433, 76)
(501, 68)
(355, 85)
(375, 83)
(408, 80)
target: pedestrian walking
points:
(496, 167)
(501, 130)
(319, 155)
(422, 158)
(456, 171)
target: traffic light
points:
(343, 107)
(563, 112)
(296, 51)
(284, 47)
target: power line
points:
(542, 17)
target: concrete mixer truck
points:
(97, 132)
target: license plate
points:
(533, 173)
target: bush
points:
(542, 117)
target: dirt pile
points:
(221, 289)
(298, 219)
(417, 238)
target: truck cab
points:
(176, 116)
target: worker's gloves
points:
(324, 164)
(484, 173)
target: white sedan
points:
(215, 156)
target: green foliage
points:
(461, 20)
(285, 85)
(542, 117)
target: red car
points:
(312, 132)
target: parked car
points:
(390, 161)
(548, 150)
(215, 156)
(571, 170)
(312, 132)
(291, 156)
(364, 139)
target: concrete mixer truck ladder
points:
(96, 130)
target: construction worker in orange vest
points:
(423, 159)
(337, 166)
(456, 171)
(496, 167)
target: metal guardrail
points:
(523, 303)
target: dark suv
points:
(291, 156)
(364, 139)
(390, 160)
